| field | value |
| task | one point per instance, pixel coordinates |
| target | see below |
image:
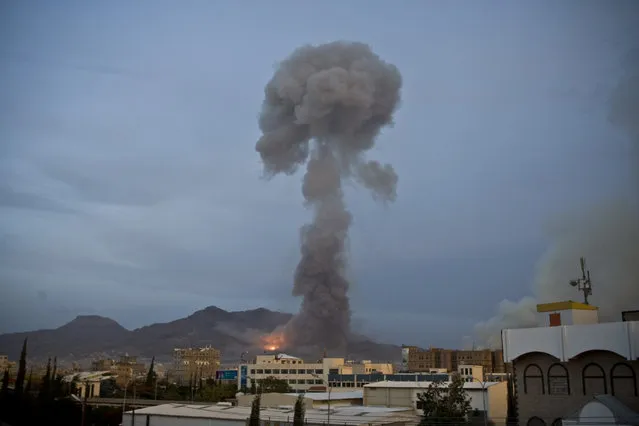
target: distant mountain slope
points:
(231, 332)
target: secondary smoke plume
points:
(324, 107)
(607, 235)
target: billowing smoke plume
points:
(607, 235)
(324, 106)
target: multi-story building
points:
(195, 363)
(304, 376)
(127, 368)
(570, 359)
(102, 365)
(417, 360)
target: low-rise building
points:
(224, 414)
(90, 384)
(490, 398)
(561, 365)
(311, 399)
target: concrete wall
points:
(141, 420)
(497, 402)
(536, 401)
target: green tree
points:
(150, 376)
(253, 387)
(5, 382)
(445, 404)
(271, 384)
(254, 420)
(22, 369)
(300, 411)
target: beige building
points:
(570, 358)
(4, 363)
(193, 363)
(127, 368)
(417, 360)
(490, 397)
(304, 376)
(471, 373)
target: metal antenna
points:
(583, 284)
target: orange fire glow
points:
(273, 341)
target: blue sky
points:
(130, 187)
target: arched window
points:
(558, 380)
(593, 379)
(623, 380)
(557, 422)
(533, 380)
(535, 421)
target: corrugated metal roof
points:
(351, 415)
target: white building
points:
(302, 376)
(491, 397)
(223, 414)
(570, 358)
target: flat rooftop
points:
(351, 415)
(333, 396)
(424, 385)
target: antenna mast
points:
(583, 284)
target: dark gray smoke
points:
(324, 106)
(607, 235)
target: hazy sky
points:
(130, 186)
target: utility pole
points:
(583, 284)
(84, 401)
(133, 406)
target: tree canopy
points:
(300, 411)
(445, 404)
(254, 420)
(272, 384)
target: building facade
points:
(568, 359)
(491, 398)
(417, 360)
(194, 363)
(303, 376)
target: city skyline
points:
(130, 186)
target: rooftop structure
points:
(223, 414)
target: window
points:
(318, 382)
(319, 371)
(593, 379)
(259, 371)
(558, 380)
(252, 371)
(293, 381)
(623, 380)
(293, 371)
(533, 380)
(284, 371)
(300, 371)
(301, 381)
(535, 421)
(267, 371)
(276, 371)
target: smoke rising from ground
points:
(324, 107)
(607, 235)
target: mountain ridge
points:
(233, 332)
